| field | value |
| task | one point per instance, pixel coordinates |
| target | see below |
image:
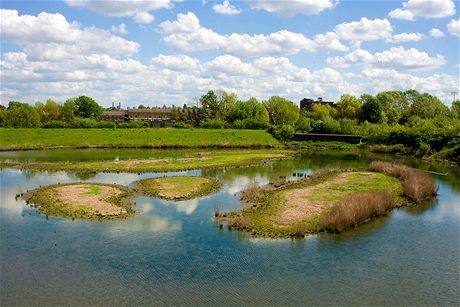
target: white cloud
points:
(454, 27)
(226, 8)
(364, 30)
(396, 58)
(435, 32)
(138, 9)
(187, 34)
(292, 7)
(423, 8)
(121, 29)
(51, 34)
(176, 62)
(406, 37)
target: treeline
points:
(419, 121)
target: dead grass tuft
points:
(417, 185)
(356, 208)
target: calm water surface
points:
(173, 252)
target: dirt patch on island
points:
(298, 207)
(84, 195)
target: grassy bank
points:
(177, 187)
(35, 138)
(328, 201)
(184, 161)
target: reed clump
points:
(252, 194)
(355, 209)
(417, 185)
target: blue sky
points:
(172, 52)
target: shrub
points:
(283, 133)
(252, 194)
(212, 124)
(355, 209)
(82, 123)
(54, 124)
(182, 125)
(250, 123)
(106, 125)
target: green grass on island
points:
(93, 201)
(329, 200)
(36, 138)
(179, 162)
(178, 187)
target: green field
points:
(36, 138)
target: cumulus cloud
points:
(138, 9)
(52, 35)
(187, 34)
(454, 27)
(226, 8)
(396, 58)
(121, 29)
(422, 8)
(435, 32)
(364, 30)
(292, 7)
(406, 37)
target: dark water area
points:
(173, 253)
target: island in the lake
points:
(328, 200)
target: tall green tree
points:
(322, 112)
(21, 115)
(281, 111)
(87, 107)
(68, 109)
(394, 104)
(49, 110)
(428, 106)
(209, 105)
(455, 109)
(371, 110)
(226, 102)
(348, 107)
(249, 109)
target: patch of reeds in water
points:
(416, 184)
(356, 208)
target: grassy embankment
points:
(16, 139)
(177, 187)
(82, 201)
(329, 200)
(184, 161)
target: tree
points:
(348, 107)
(455, 109)
(226, 101)
(428, 106)
(395, 104)
(322, 112)
(88, 108)
(49, 111)
(21, 115)
(281, 111)
(371, 110)
(249, 109)
(209, 105)
(68, 109)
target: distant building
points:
(151, 115)
(307, 103)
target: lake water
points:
(174, 253)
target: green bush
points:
(78, 122)
(54, 124)
(106, 125)
(182, 125)
(283, 133)
(212, 124)
(250, 123)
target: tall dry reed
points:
(354, 209)
(417, 185)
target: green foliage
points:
(371, 110)
(212, 124)
(281, 111)
(54, 124)
(209, 105)
(348, 107)
(49, 111)
(323, 112)
(394, 105)
(303, 124)
(428, 106)
(82, 123)
(250, 109)
(19, 115)
(68, 109)
(182, 125)
(283, 133)
(86, 107)
(455, 109)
